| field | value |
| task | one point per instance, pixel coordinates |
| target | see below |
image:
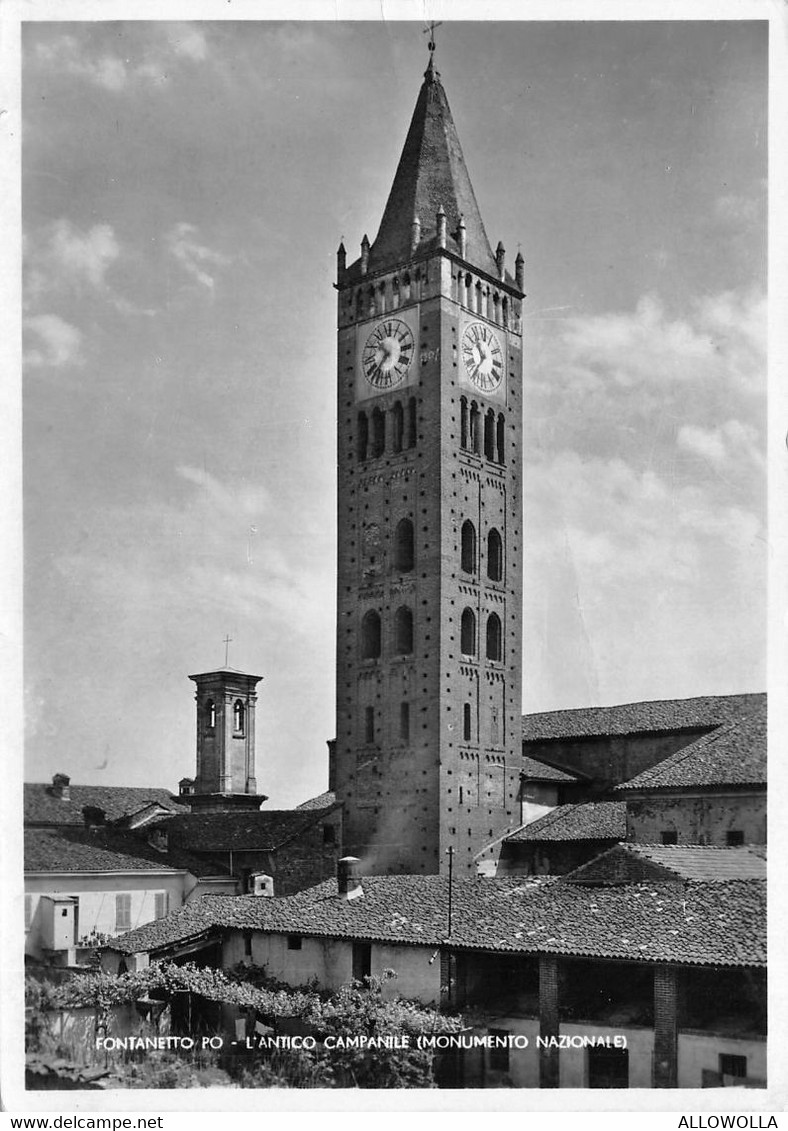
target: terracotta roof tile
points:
(104, 850)
(260, 831)
(533, 770)
(735, 754)
(42, 807)
(705, 923)
(588, 820)
(660, 715)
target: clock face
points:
(387, 354)
(482, 356)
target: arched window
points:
(370, 635)
(468, 633)
(478, 297)
(359, 304)
(505, 313)
(466, 729)
(501, 437)
(403, 631)
(494, 556)
(463, 422)
(378, 433)
(210, 713)
(468, 299)
(493, 637)
(403, 546)
(395, 294)
(371, 302)
(362, 437)
(406, 287)
(412, 436)
(382, 298)
(497, 308)
(468, 547)
(239, 717)
(398, 420)
(489, 435)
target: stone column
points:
(665, 1027)
(548, 1020)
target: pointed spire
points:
(431, 173)
(341, 261)
(364, 254)
(519, 271)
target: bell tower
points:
(226, 700)
(429, 611)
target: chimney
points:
(348, 879)
(262, 884)
(93, 816)
(61, 787)
(186, 787)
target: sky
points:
(185, 188)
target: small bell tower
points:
(226, 701)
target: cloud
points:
(150, 55)
(250, 500)
(194, 257)
(58, 342)
(65, 255)
(724, 446)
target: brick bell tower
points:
(226, 701)
(429, 614)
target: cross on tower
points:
(431, 29)
(227, 642)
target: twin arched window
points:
(371, 430)
(371, 633)
(468, 559)
(494, 641)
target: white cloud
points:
(58, 343)
(724, 446)
(158, 50)
(245, 499)
(63, 255)
(194, 257)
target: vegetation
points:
(357, 1009)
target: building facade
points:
(429, 607)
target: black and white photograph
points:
(394, 546)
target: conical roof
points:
(431, 174)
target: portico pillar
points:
(548, 1020)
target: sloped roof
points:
(104, 850)
(42, 807)
(659, 715)
(431, 174)
(697, 923)
(633, 863)
(734, 755)
(248, 831)
(534, 770)
(327, 800)
(588, 820)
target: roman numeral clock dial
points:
(482, 356)
(387, 354)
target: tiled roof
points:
(42, 807)
(633, 863)
(103, 850)
(540, 771)
(325, 800)
(733, 755)
(588, 820)
(717, 923)
(659, 715)
(702, 862)
(260, 831)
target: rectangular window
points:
(293, 942)
(362, 961)
(499, 1057)
(669, 836)
(329, 834)
(734, 838)
(122, 912)
(733, 1065)
(162, 904)
(369, 724)
(404, 722)
(247, 944)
